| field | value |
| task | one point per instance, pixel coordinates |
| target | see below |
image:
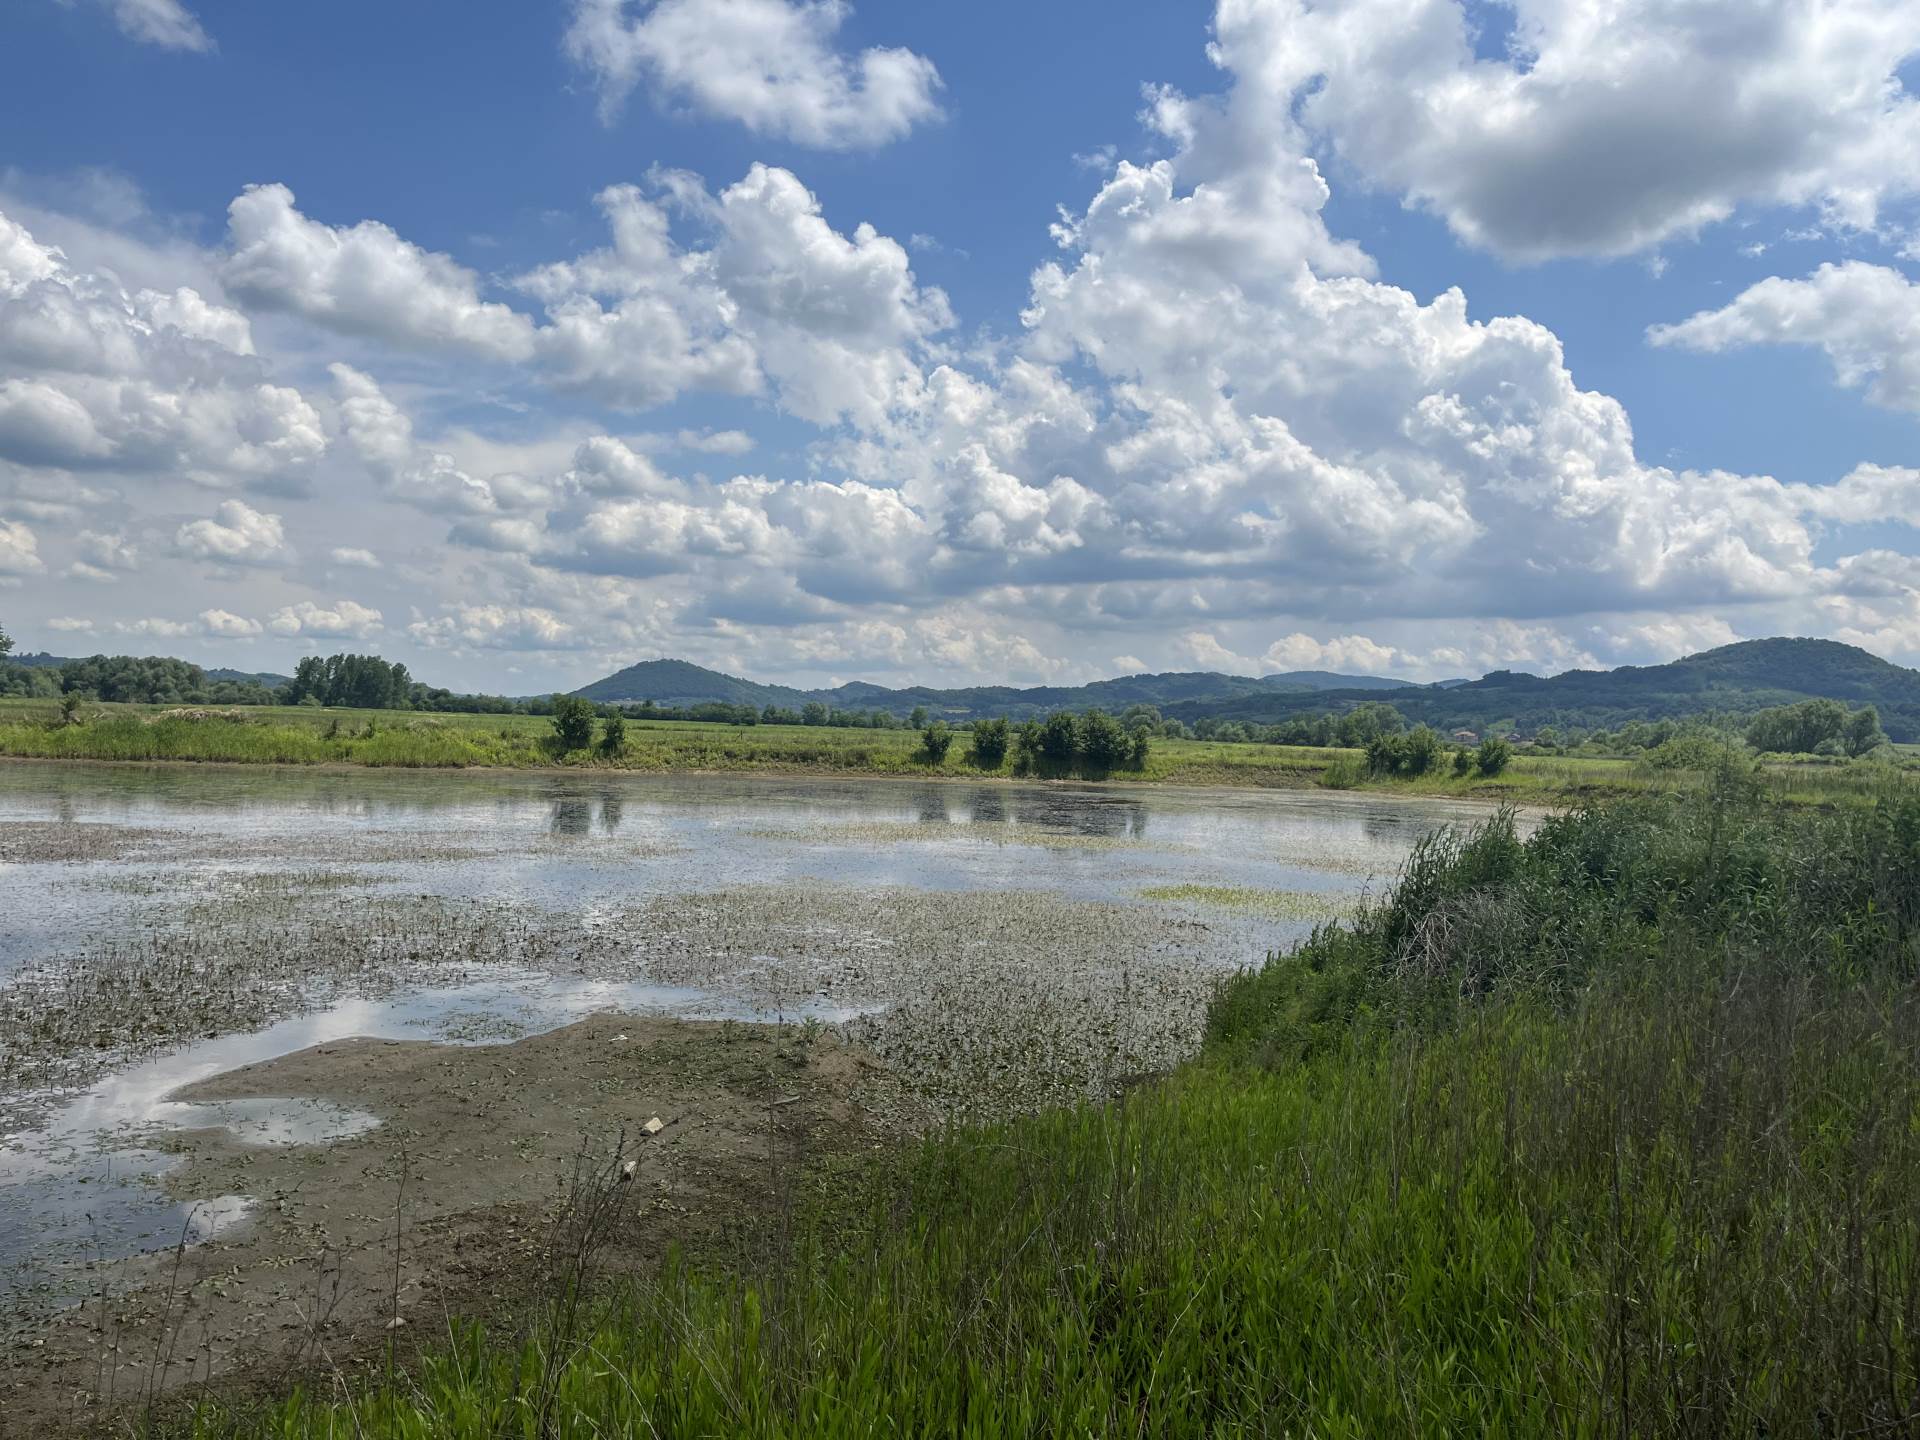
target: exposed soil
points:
(448, 1209)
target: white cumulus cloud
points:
(770, 65)
(362, 279)
(19, 550)
(340, 620)
(1866, 318)
(225, 625)
(237, 535)
(1610, 125)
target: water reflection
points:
(572, 815)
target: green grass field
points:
(305, 736)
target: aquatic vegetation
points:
(1315, 905)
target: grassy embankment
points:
(297, 736)
(1607, 1132)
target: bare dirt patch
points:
(446, 1210)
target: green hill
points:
(1734, 679)
(680, 683)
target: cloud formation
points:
(96, 378)
(338, 620)
(769, 65)
(237, 535)
(362, 279)
(1866, 318)
(1608, 126)
(780, 302)
(165, 23)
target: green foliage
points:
(572, 722)
(918, 719)
(6, 643)
(1798, 729)
(1493, 756)
(1139, 749)
(613, 733)
(1690, 750)
(935, 740)
(989, 743)
(1058, 737)
(1102, 744)
(363, 682)
(1863, 734)
(1412, 754)
(70, 704)
(1618, 888)
(138, 679)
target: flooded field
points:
(994, 946)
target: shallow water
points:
(626, 860)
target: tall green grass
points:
(1607, 1132)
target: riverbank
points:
(1603, 1131)
(400, 740)
(1468, 1163)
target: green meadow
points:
(310, 736)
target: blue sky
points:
(958, 343)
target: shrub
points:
(613, 733)
(1463, 762)
(572, 722)
(1138, 749)
(1493, 756)
(990, 739)
(1414, 753)
(935, 741)
(1058, 738)
(1103, 744)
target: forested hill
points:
(1735, 679)
(677, 683)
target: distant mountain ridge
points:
(1736, 679)
(679, 683)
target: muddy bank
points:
(446, 1209)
